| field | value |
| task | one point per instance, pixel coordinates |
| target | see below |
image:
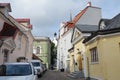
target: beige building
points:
(16, 40)
(7, 33)
(25, 23)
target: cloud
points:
(46, 15)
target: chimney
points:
(89, 4)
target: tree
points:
(53, 54)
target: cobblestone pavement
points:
(56, 75)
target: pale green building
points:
(42, 49)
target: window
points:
(39, 49)
(18, 70)
(94, 54)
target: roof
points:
(36, 58)
(102, 32)
(86, 28)
(6, 5)
(114, 22)
(23, 20)
(113, 27)
(70, 49)
(41, 38)
(70, 24)
(78, 16)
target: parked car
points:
(17, 71)
(44, 67)
(37, 66)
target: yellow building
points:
(103, 51)
(72, 60)
(77, 53)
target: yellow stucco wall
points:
(79, 45)
(108, 67)
(71, 54)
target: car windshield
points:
(35, 64)
(17, 70)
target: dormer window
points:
(102, 25)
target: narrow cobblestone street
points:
(56, 75)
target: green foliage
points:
(53, 53)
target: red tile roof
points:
(78, 16)
(70, 24)
(23, 20)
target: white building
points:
(64, 43)
(88, 16)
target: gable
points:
(76, 34)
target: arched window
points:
(39, 50)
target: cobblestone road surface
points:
(56, 75)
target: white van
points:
(38, 67)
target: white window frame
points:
(39, 51)
(94, 55)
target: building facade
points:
(14, 40)
(88, 16)
(102, 50)
(42, 49)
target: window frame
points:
(94, 55)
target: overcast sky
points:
(46, 15)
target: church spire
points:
(70, 16)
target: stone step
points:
(76, 74)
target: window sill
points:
(92, 63)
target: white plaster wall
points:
(63, 45)
(92, 16)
